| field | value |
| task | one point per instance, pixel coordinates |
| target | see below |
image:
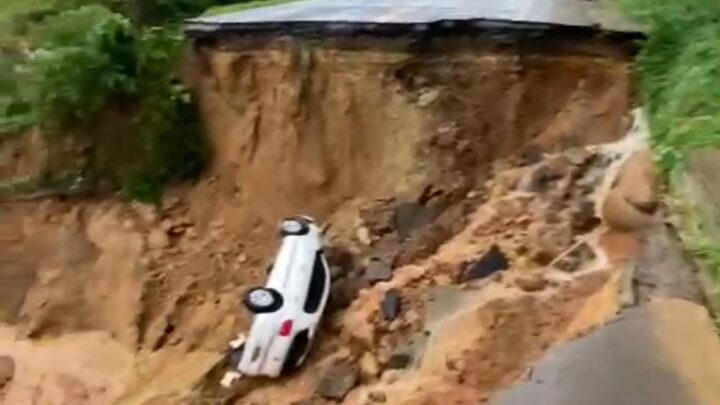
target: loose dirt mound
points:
(395, 149)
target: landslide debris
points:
(416, 167)
(459, 340)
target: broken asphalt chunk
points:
(539, 177)
(338, 381)
(492, 262)
(583, 216)
(344, 291)
(391, 305)
(378, 270)
(408, 353)
(399, 361)
(409, 216)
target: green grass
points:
(679, 74)
(232, 8)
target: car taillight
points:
(286, 328)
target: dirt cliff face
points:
(305, 126)
(354, 133)
(28, 156)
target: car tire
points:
(294, 227)
(263, 300)
(297, 352)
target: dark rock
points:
(531, 155)
(408, 352)
(429, 194)
(378, 397)
(427, 240)
(583, 217)
(343, 292)
(378, 269)
(400, 360)
(410, 216)
(379, 218)
(493, 261)
(540, 177)
(338, 381)
(391, 305)
(341, 261)
(591, 179)
(7, 370)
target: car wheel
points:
(294, 226)
(297, 352)
(263, 300)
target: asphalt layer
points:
(664, 353)
(577, 13)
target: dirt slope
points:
(357, 136)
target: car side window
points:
(317, 284)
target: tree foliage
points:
(106, 72)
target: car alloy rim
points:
(261, 298)
(292, 226)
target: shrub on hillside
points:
(97, 76)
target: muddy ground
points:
(427, 167)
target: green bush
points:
(105, 73)
(91, 73)
(78, 68)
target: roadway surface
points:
(663, 353)
(578, 13)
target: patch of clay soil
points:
(78, 368)
(416, 160)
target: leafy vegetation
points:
(105, 72)
(680, 83)
(679, 74)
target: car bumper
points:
(265, 360)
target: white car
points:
(289, 308)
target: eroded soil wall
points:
(305, 125)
